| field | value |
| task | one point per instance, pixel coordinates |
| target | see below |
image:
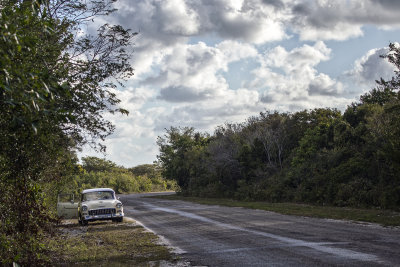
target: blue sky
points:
(203, 63)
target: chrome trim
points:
(102, 211)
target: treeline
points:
(95, 172)
(313, 156)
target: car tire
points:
(117, 220)
(82, 221)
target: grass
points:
(106, 244)
(379, 216)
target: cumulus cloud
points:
(371, 67)
(139, 123)
(127, 152)
(322, 84)
(192, 73)
(298, 59)
(234, 106)
(390, 4)
(164, 25)
(186, 94)
(182, 19)
(289, 79)
(340, 20)
(133, 141)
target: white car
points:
(99, 204)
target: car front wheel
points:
(82, 221)
(118, 220)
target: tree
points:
(54, 89)
(270, 131)
(176, 146)
(393, 56)
(151, 170)
(95, 164)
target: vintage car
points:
(99, 204)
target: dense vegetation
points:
(313, 156)
(95, 172)
(56, 84)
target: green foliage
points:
(94, 164)
(96, 172)
(176, 146)
(55, 88)
(313, 156)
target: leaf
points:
(34, 128)
(45, 87)
(35, 105)
(123, 111)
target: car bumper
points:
(103, 216)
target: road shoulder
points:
(107, 243)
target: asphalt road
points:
(224, 236)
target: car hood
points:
(101, 204)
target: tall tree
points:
(55, 85)
(176, 147)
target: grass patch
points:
(106, 244)
(383, 217)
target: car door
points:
(67, 207)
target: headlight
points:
(84, 208)
(119, 205)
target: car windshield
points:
(98, 195)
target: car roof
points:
(96, 190)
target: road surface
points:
(225, 236)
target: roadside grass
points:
(379, 216)
(106, 244)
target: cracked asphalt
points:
(224, 236)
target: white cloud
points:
(297, 59)
(139, 123)
(192, 73)
(182, 20)
(164, 25)
(371, 67)
(252, 21)
(289, 79)
(340, 32)
(322, 84)
(234, 106)
(341, 20)
(127, 152)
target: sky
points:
(203, 63)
